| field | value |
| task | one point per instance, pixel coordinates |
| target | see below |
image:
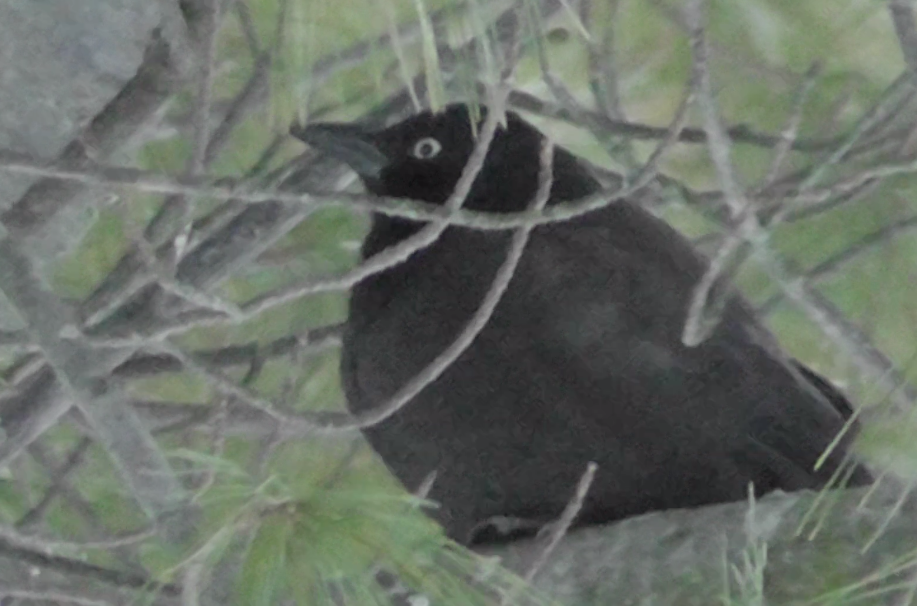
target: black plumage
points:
(582, 359)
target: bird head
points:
(423, 157)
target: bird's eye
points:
(426, 148)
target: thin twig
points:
(204, 97)
(217, 448)
(790, 132)
(811, 197)
(52, 546)
(310, 342)
(165, 277)
(650, 168)
(891, 100)
(608, 127)
(603, 77)
(559, 529)
(42, 561)
(718, 142)
(852, 251)
(58, 476)
(247, 25)
(398, 47)
(226, 385)
(177, 211)
(620, 148)
(709, 296)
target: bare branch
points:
(58, 477)
(79, 574)
(150, 182)
(855, 344)
(311, 342)
(157, 79)
(78, 369)
(204, 99)
(52, 596)
(337, 422)
(678, 556)
(53, 545)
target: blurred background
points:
(172, 298)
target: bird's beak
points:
(348, 143)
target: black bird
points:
(582, 359)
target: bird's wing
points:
(613, 293)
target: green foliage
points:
(265, 562)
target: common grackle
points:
(582, 359)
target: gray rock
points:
(62, 62)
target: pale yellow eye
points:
(426, 148)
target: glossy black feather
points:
(581, 361)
